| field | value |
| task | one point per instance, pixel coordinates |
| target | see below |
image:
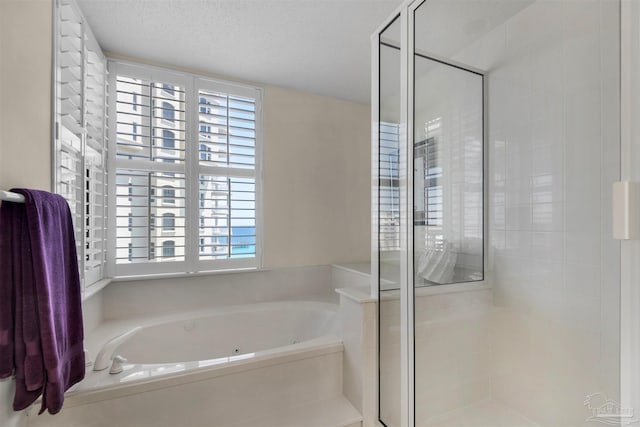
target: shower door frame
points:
(406, 14)
(406, 298)
(630, 249)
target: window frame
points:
(191, 168)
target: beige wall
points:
(25, 137)
(316, 179)
(25, 87)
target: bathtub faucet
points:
(105, 355)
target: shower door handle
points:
(626, 210)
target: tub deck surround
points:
(141, 378)
(279, 393)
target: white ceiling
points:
(318, 46)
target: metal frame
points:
(406, 13)
(630, 249)
(399, 13)
(406, 297)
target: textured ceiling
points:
(318, 46)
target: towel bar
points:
(8, 196)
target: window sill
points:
(94, 288)
(184, 275)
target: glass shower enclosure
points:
(496, 141)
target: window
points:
(168, 195)
(168, 222)
(168, 89)
(168, 249)
(195, 167)
(205, 152)
(168, 140)
(168, 112)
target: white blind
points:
(186, 172)
(150, 205)
(150, 120)
(144, 203)
(81, 140)
(95, 163)
(227, 150)
(69, 165)
(227, 129)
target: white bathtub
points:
(232, 365)
(237, 331)
(214, 342)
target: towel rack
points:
(8, 196)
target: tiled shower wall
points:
(553, 109)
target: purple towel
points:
(41, 333)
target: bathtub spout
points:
(105, 355)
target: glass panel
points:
(227, 130)
(227, 217)
(150, 120)
(541, 344)
(150, 216)
(452, 330)
(448, 183)
(389, 225)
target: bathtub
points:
(204, 344)
(237, 332)
(226, 364)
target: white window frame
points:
(191, 168)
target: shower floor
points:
(482, 414)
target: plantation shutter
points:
(81, 138)
(186, 170)
(150, 169)
(227, 165)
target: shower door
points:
(451, 303)
(499, 292)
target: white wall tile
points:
(555, 271)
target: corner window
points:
(195, 166)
